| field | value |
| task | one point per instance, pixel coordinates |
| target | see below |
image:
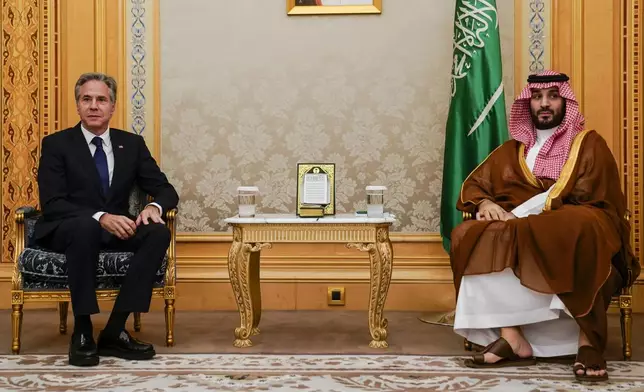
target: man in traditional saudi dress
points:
(549, 245)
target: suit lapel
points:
(120, 156)
(85, 157)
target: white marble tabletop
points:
(294, 219)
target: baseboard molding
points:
(212, 296)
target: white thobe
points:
(488, 302)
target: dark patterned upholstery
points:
(44, 270)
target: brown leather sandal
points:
(502, 348)
(589, 359)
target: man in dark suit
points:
(85, 176)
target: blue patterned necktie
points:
(100, 159)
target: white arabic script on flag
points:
(473, 19)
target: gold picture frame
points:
(305, 208)
(306, 7)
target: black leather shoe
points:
(82, 350)
(124, 346)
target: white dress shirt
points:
(535, 204)
(109, 153)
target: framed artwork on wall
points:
(321, 7)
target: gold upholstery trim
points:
(64, 295)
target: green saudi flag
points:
(476, 123)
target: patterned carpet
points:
(232, 372)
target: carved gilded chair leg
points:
(137, 321)
(626, 321)
(622, 328)
(63, 308)
(627, 325)
(16, 327)
(169, 322)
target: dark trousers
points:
(81, 239)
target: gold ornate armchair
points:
(623, 301)
(40, 275)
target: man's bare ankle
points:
(512, 335)
(583, 340)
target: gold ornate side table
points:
(251, 235)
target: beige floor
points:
(296, 332)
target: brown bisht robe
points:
(566, 250)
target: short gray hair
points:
(101, 77)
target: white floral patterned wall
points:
(247, 92)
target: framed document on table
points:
(315, 189)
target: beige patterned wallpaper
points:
(247, 92)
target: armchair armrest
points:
(25, 212)
(22, 213)
(170, 214)
(171, 223)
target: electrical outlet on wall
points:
(335, 296)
